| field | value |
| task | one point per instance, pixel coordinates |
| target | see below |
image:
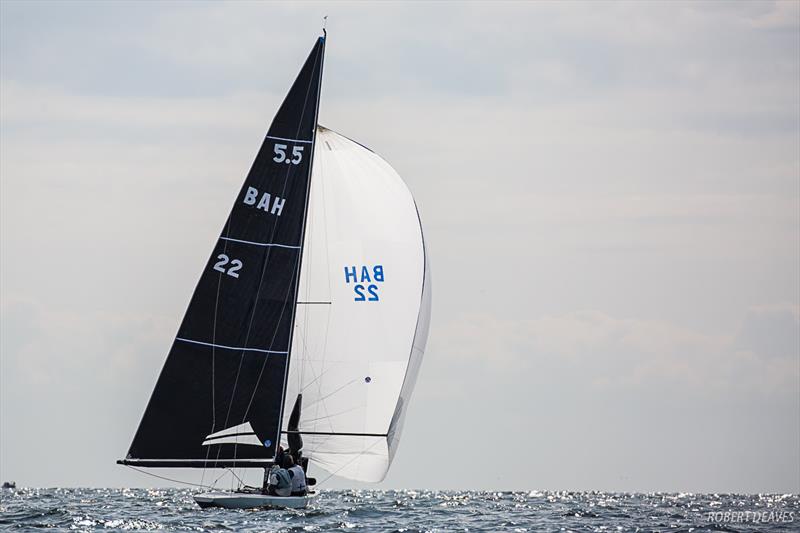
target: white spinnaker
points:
(355, 361)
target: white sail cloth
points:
(363, 311)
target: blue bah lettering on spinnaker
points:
(364, 289)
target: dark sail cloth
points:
(232, 350)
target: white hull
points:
(235, 500)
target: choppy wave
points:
(402, 511)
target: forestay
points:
(363, 311)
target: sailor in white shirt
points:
(298, 476)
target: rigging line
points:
(169, 479)
(302, 336)
(263, 365)
(335, 391)
(266, 257)
(317, 404)
(318, 184)
(332, 416)
(261, 280)
(309, 250)
(321, 405)
(348, 463)
(324, 173)
(319, 60)
(255, 170)
(295, 285)
(233, 473)
(226, 230)
(250, 326)
(216, 303)
(266, 359)
(316, 411)
(326, 415)
(249, 330)
(311, 258)
(247, 338)
(218, 478)
(294, 280)
(307, 385)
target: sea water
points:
(402, 510)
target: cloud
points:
(602, 352)
(586, 399)
(77, 381)
(771, 332)
(59, 350)
(30, 104)
(779, 15)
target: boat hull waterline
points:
(234, 500)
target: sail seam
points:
(289, 140)
(213, 345)
(267, 244)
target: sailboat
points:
(315, 301)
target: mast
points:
(219, 399)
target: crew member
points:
(297, 475)
(280, 482)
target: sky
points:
(610, 194)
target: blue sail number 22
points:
(365, 281)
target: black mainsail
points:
(219, 399)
